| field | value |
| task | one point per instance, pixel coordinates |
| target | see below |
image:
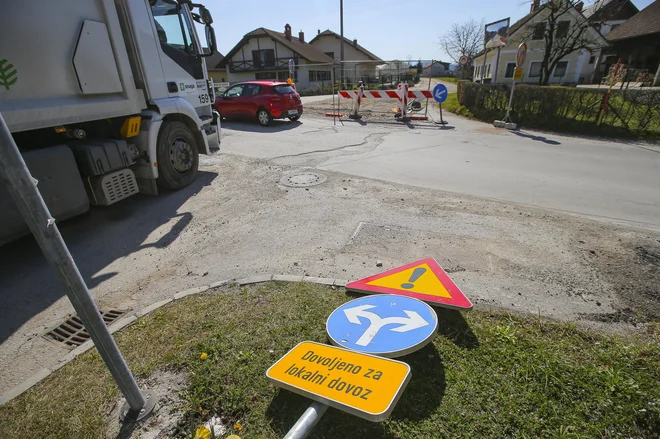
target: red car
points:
(265, 100)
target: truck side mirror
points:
(206, 15)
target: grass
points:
(452, 105)
(487, 374)
(447, 79)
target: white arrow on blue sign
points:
(385, 325)
(440, 93)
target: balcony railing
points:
(251, 65)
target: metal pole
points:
(508, 109)
(426, 110)
(341, 44)
(23, 189)
(304, 426)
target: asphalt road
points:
(238, 219)
(615, 181)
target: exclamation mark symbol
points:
(416, 274)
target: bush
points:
(630, 113)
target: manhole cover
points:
(72, 333)
(303, 179)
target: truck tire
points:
(177, 155)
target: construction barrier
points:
(402, 94)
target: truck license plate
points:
(293, 111)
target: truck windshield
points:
(172, 28)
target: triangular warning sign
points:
(424, 280)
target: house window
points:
(562, 29)
(510, 67)
(330, 54)
(319, 75)
(263, 58)
(560, 69)
(488, 70)
(535, 70)
(539, 31)
(592, 59)
(283, 76)
(265, 75)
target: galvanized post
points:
(23, 189)
(304, 426)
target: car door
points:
(229, 106)
(249, 102)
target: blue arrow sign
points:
(385, 325)
(440, 93)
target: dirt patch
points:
(166, 421)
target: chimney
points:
(301, 36)
(535, 5)
(355, 43)
(287, 31)
(318, 32)
(579, 6)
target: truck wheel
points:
(178, 157)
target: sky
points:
(391, 29)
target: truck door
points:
(181, 65)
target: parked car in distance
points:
(263, 100)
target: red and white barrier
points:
(401, 95)
(385, 94)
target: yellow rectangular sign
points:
(518, 74)
(360, 384)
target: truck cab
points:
(105, 99)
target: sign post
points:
(363, 385)
(424, 280)
(383, 325)
(517, 76)
(440, 95)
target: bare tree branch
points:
(463, 39)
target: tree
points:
(420, 67)
(563, 30)
(464, 39)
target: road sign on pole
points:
(463, 60)
(424, 280)
(521, 55)
(363, 385)
(440, 93)
(384, 325)
(518, 74)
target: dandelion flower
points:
(238, 426)
(202, 433)
(203, 356)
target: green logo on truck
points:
(8, 74)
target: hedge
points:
(630, 113)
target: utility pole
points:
(341, 31)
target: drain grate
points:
(72, 333)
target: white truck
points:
(105, 99)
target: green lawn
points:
(487, 374)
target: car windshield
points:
(284, 89)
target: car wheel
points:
(264, 117)
(177, 155)
(294, 118)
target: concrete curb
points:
(129, 319)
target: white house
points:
(436, 68)
(497, 66)
(359, 62)
(265, 54)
